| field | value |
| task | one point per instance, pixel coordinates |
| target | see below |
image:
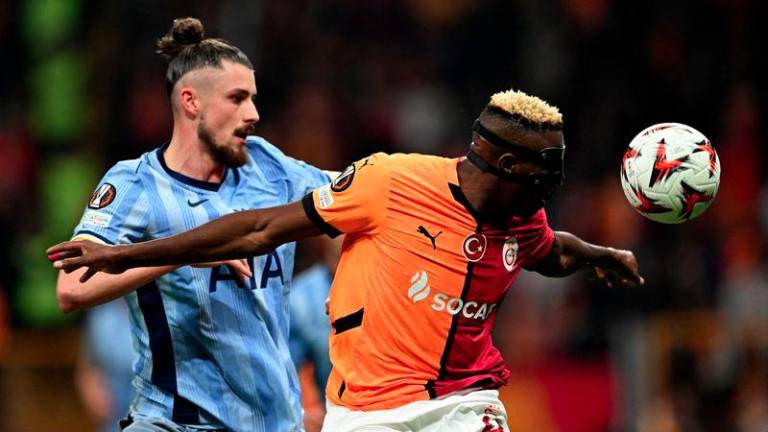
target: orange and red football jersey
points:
(419, 282)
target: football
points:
(670, 173)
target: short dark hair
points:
(186, 49)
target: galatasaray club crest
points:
(474, 246)
(509, 253)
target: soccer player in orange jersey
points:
(432, 246)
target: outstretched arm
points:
(73, 295)
(237, 235)
(570, 254)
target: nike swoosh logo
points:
(195, 204)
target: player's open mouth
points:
(241, 135)
(244, 132)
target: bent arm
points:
(570, 254)
(74, 296)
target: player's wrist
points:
(599, 255)
(122, 256)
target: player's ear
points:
(506, 162)
(189, 101)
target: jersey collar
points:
(211, 186)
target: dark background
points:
(81, 88)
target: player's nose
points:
(251, 114)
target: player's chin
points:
(238, 156)
(233, 155)
(242, 154)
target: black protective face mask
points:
(552, 159)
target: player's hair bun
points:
(184, 32)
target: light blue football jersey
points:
(310, 326)
(212, 351)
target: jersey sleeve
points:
(542, 239)
(302, 177)
(356, 201)
(118, 210)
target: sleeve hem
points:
(309, 208)
(540, 255)
(90, 235)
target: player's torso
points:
(225, 335)
(429, 284)
(187, 204)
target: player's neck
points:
(480, 189)
(187, 155)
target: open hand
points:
(72, 255)
(619, 268)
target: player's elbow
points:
(270, 228)
(259, 242)
(261, 239)
(68, 297)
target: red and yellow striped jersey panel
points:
(419, 282)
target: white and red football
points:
(670, 173)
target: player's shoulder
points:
(266, 156)
(122, 180)
(260, 149)
(417, 166)
(400, 160)
(418, 159)
(258, 143)
(129, 170)
(537, 219)
(401, 166)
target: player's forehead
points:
(234, 77)
(530, 139)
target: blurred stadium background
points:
(81, 88)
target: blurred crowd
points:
(81, 87)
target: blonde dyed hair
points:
(529, 110)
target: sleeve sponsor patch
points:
(344, 180)
(96, 218)
(325, 197)
(102, 197)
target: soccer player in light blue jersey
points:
(310, 326)
(212, 345)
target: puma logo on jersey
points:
(432, 238)
(365, 164)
